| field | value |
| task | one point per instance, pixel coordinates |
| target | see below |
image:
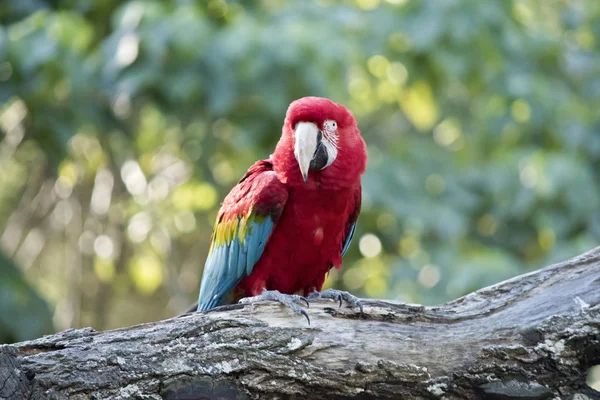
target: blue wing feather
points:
(351, 224)
(348, 239)
(228, 263)
(244, 225)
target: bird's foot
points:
(288, 300)
(339, 295)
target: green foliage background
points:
(123, 124)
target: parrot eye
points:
(330, 132)
(330, 125)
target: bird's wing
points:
(244, 224)
(351, 224)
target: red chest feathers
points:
(307, 240)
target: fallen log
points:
(531, 337)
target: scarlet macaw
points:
(291, 217)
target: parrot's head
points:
(320, 139)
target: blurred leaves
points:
(24, 314)
(125, 123)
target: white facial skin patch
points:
(330, 140)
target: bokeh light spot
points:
(386, 92)
(104, 247)
(369, 245)
(205, 196)
(63, 187)
(158, 188)
(223, 172)
(520, 110)
(397, 73)
(523, 12)
(102, 192)
(161, 241)
(133, 177)
(378, 65)
(217, 8)
(399, 42)
(367, 4)
(429, 276)
(132, 16)
(146, 273)
(139, 227)
(585, 38)
(418, 104)
(528, 176)
(185, 221)
(408, 246)
(593, 378)
(354, 278)
(375, 286)
(359, 87)
(69, 173)
(86, 242)
(447, 132)
(127, 50)
(122, 105)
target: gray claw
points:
(306, 315)
(304, 299)
(339, 295)
(288, 300)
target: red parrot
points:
(292, 216)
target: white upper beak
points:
(305, 145)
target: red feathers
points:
(351, 161)
(317, 109)
(317, 216)
(311, 223)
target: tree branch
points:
(531, 337)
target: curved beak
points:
(306, 141)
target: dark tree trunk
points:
(531, 337)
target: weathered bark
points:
(531, 337)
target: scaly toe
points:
(288, 300)
(338, 295)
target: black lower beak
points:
(320, 158)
